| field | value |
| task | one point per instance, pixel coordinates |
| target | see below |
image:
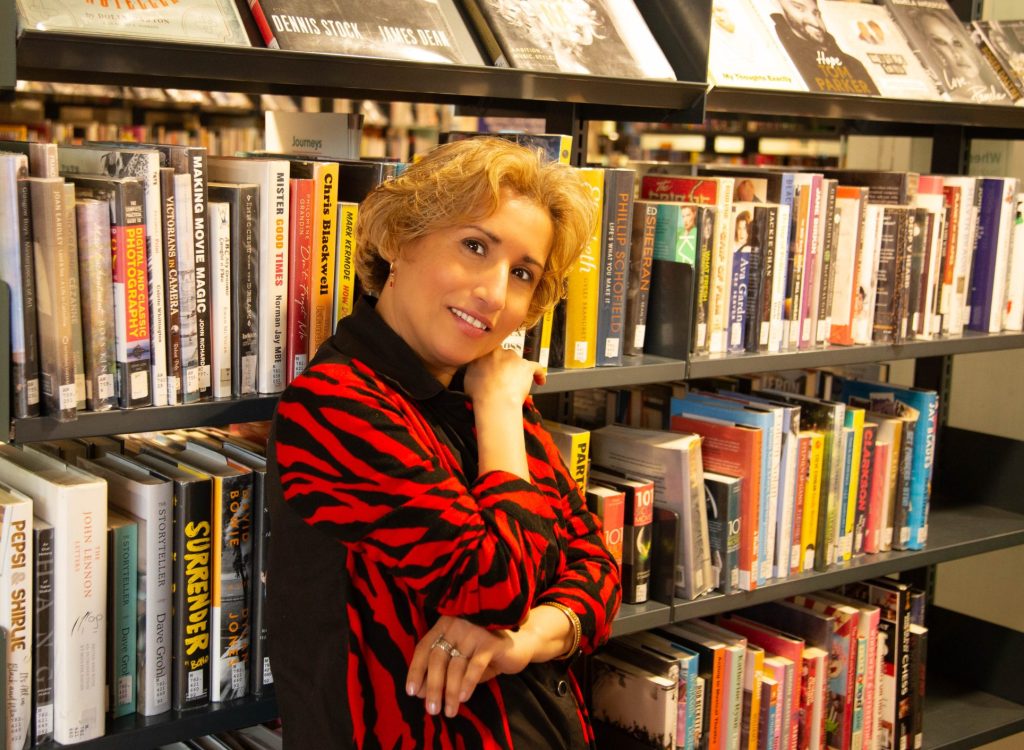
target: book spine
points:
(219, 215)
(903, 500)
(814, 514)
(812, 267)
(583, 286)
(739, 288)
(705, 240)
(232, 577)
(272, 322)
(263, 25)
(830, 236)
(323, 260)
(17, 621)
(614, 265)
(244, 284)
(192, 560)
(17, 268)
(97, 284)
(762, 338)
(301, 192)
(122, 605)
(43, 664)
(75, 296)
(645, 221)
(203, 253)
(966, 251)
(155, 574)
(187, 289)
(53, 269)
(344, 274)
(795, 271)
(864, 489)
(636, 566)
(886, 298)
(801, 479)
(175, 365)
(261, 677)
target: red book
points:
(734, 450)
(637, 532)
(302, 192)
(864, 488)
(876, 504)
(609, 504)
(803, 466)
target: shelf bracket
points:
(564, 118)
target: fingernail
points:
(463, 696)
(432, 708)
(410, 688)
(450, 710)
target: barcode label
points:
(195, 688)
(268, 677)
(67, 396)
(238, 676)
(44, 719)
(580, 351)
(124, 690)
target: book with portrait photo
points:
(869, 33)
(429, 31)
(944, 47)
(1004, 52)
(745, 52)
(592, 37)
(804, 34)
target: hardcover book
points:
(945, 49)
(592, 37)
(641, 258)
(43, 665)
(814, 50)
(638, 532)
(17, 269)
(122, 612)
(616, 232)
(641, 703)
(147, 498)
(192, 21)
(745, 53)
(97, 294)
(870, 33)
(429, 31)
(75, 504)
(16, 558)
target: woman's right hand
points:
(498, 383)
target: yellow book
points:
(573, 444)
(812, 498)
(322, 274)
(854, 419)
(546, 322)
(583, 287)
(345, 262)
(753, 673)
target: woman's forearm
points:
(501, 445)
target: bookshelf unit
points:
(983, 700)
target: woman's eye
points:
(523, 273)
(474, 246)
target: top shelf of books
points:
(66, 57)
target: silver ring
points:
(446, 646)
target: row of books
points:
(737, 259)
(907, 49)
(153, 275)
(900, 49)
(761, 483)
(137, 585)
(835, 669)
(258, 737)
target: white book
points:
(1013, 310)
(272, 177)
(143, 163)
(673, 461)
(148, 499)
(75, 504)
(219, 223)
(925, 322)
(866, 275)
(16, 615)
(1007, 214)
(776, 326)
(187, 300)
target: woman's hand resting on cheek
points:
(502, 376)
(476, 655)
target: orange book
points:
(734, 450)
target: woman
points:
(433, 565)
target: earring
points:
(391, 275)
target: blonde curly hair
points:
(462, 182)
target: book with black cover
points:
(592, 37)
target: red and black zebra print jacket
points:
(380, 524)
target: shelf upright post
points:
(564, 118)
(8, 45)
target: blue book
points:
(986, 297)
(122, 606)
(712, 406)
(926, 403)
(844, 506)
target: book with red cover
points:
(300, 249)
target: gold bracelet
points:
(574, 621)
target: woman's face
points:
(949, 47)
(459, 292)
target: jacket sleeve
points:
(359, 463)
(589, 581)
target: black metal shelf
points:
(953, 533)
(645, 368)
(207, 413)
(861, 108)
(735, 364)
(633, 618)
(82, 58)
(957, 717)
(135, 732)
